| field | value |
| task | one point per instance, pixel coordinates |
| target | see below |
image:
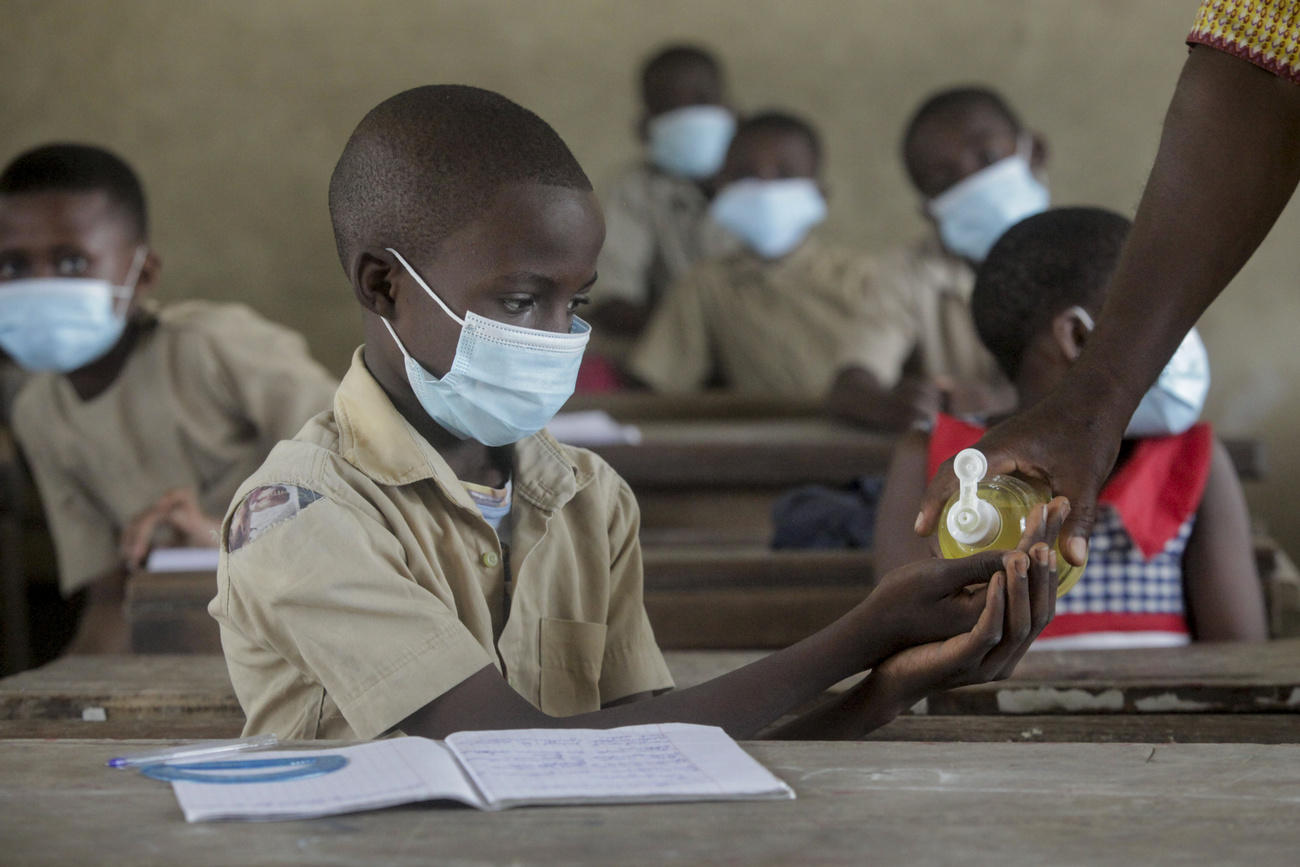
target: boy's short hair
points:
(79, 168)
(428, 161)
(784, 122)
(667, 60)
(1039, 267)
(966, 96)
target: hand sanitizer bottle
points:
(992, 513)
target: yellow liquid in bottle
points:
(1013, 498)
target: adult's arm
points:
(1228, 162)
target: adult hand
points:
(178, 510)
(1069, 446)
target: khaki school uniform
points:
(656, 227)
(385, 587)
(917, 319)
(203, 396)
(780, 327)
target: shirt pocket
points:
(571, 656)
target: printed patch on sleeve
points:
(262, 509)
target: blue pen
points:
(194, 751)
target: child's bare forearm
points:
(742, 702)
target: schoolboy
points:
(138, 423)
(781, 315)
(656, 213)
(978, 170)
(425, 557)
(1170, 556)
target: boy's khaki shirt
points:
(202, 398)
(780, 327)
(917, 320)
(387, 588)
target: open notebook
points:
(493, 770)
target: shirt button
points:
(490, 558)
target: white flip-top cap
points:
(972, 521)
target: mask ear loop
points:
(125, 291)
(425, 286)
(1083, 316)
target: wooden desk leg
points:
(15, 646)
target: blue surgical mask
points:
(61, 324)
(973, 213)
(691, 142)
(505, 382)
(772, 217)
(1174, 401)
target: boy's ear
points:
(1038, 151)
(1069, 333)
(372, 282)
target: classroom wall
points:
(235, 111)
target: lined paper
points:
(673, 761)
(378, 774)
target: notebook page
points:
(378, 774)
(667, 762)
(182, 560)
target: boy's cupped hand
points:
(998, 606)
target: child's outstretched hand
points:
(1019, 601)
(933, 600)
(177, 510)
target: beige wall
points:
(235, 110)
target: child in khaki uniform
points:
(780, 316)
(976, 169)
(656, 214)
(425, 557)
(137, 422)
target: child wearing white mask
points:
(1170, 555)
(138, 422)
(425, 557)
(780, 315)
(656, 211)
(978, 171)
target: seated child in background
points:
(424, 556)
(978, 171)
(135, 420)
(1170, 555)
(780, 316)
(656, 214)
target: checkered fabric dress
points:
(1123, 599)
(1131, 592)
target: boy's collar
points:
(376, 439)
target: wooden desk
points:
(715, 482)
(1013, 804)
(121, 696)
(1198, 678)
(696, 598)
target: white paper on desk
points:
(593, 427)
(494, 770)
(378, 774)
(182, 560)
(633, 764)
